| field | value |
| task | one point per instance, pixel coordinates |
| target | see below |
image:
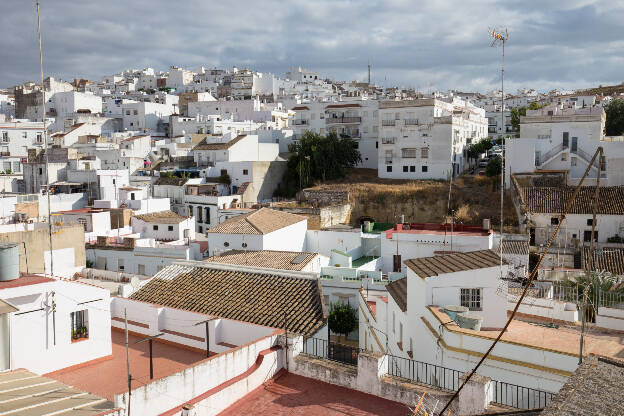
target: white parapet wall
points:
(610, 318)
(546, 308)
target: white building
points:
(17, 137)
(356, 119)
(146, 116)
(426, 138)
(264, 229)
(425, 240)
(47, 324)
(69, 102)
(565, 140)
(164, 226)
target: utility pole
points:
(501, 36)
(127, 361)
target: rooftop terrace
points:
(291, 394)
(108, 377)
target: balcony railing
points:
(408, 153)
(388, 161)
(343, 120)
(411, 121)
(388, 140)
(301, 122)
(331, 350)
(388, 123)
(520, 397)
(424, 373)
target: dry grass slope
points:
(473, 198)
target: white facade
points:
(39, 335)
(146, 116)
(69, 102)
(289, 238)
(17, 137)
(566, 140)
(163, 230)
(427, 138)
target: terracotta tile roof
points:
(25, 281)
(300, 107)
(238, 292)
(241, 190)
(285, 260)
(74, 127)
(262, 221)
(219, 146)
(593, 389)
(171, 181)
(553, 200)
(163, 217)
(451, 263)
(398, 290)
(515, 247)
(610, 259)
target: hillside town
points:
(221, 240)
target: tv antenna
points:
(500, 37)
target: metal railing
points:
(300, 122)
(520, 397)
(424, 373)
(337, 120)
(388, 122)
(411, 121)
(586, 157)
(611, 300)
(333, 351)
(550, 154)
(388, 140)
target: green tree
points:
(477, 149)
(342, 318)
(515, 117)
(318, 158)
(494, 167)
(615, 117)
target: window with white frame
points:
(471, 298)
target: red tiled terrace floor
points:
(291, 394)
(107, 378)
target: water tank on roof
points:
(9, 261)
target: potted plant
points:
(74, 333)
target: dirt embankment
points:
(472, 199)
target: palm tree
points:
(597, 285)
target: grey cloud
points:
(444, 43)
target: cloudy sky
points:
(435, 44)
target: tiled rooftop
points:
(610, 259)
(553, 200)
(294, 395)
(219, 146)
(163, 217)
(107, 378)
(451, 263)
(284, 260)
(262, 221)
(248, 294)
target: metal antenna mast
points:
(501, 37)
(45, 140)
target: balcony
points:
(343, 120)
(408, 153)
(411, 121)
(388, 161)
(388, 123)
(301, 122)
(388, 140)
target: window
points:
(376, 145)
(155, 228)
(554, 221)
(388, 168)
(79, 325)
(226, 244)
(564, 157)
(424, 169)
(424, 153)
(245, 172)
(127, 112)
(5, 136)
(120, 264)
(587, 236)
(201, 230)
(40, 171)
(113, 181)
(141, 269)
(572, 161)
(170, 228)
(25, 135)
(408, 153)
(412, 168)
(405, 168)
(590, 222)
(471, 298)
(39, 137)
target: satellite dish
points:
(135, 282)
